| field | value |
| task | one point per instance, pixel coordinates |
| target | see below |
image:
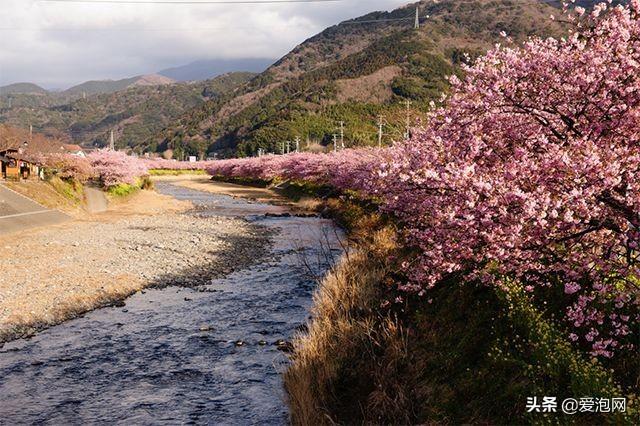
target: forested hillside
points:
(135, 114)
(356, 72)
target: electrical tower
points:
(335, 143)
(297, 143)
(112, 142)
(342, 135)
(380, 124)
(408, 131)
(417, 23)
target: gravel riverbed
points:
(50, 275)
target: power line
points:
(120, 29)
(435, 15)
(373, 21)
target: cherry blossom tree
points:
(68, 166)
(530, 171)
(113, 167)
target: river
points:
(204, 355)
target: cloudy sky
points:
(58, 44)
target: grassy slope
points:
(301, 95)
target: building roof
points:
(72, 147)
(14, 154)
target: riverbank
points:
(463, 353)
(54, 274)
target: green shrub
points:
(122, 190)
(70, 189)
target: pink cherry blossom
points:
(530, 170)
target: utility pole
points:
(342, 135)
(417, 23)
(297, 143)
(380, 124)
(408, 133)
(335, 143)
(112, 142)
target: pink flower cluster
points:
(530, 171)
(113, 167)
(348, 169)
(67, 166)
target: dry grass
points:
(346, 322)
(373, 88)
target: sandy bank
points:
(54, 274)
(279, 203)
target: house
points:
(16, 165)
(76, 150)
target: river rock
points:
(284, 346)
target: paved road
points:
(18, 212)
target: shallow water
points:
(150, 363)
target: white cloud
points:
(57, 45)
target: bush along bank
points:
(517, 268)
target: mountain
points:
(22, 88)
(135, 114)
(33, 96)
(202, 70)
(111, 86)
(353, 73)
